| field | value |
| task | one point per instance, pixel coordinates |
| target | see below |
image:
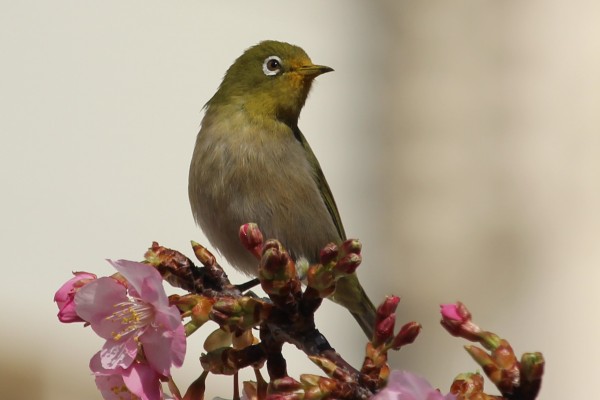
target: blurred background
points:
(461, 140)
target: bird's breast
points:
(252, 171)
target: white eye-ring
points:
(272, 65)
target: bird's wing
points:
(322, 184)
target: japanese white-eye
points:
(251, 163)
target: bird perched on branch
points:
(251, 163)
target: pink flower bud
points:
(450, 312)
(456, 318)
(455, 312)
(252, 238)
(65, 296)
(386, 308)
(384, 329)
(408, 333)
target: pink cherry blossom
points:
(404, 385)
(451, 312)
(138, 381)
(456, 319)
(65, 296)
(136, 314)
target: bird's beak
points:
(313, 70)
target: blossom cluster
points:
(144, 335)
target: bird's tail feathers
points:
(350, 294)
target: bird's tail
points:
(350, 294)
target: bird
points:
(251, 163)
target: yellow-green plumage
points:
(251, 163)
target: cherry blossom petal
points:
(178, 346)
(118, 354)
(164, 348)
(96, 301)
(404, 385)
(143, 381)
(67, 313)
(139, 381)
(168, 317)
(63, 294)
(145, 281)
(132, 315)
(450, 311)
(112, 387)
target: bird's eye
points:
(272, 65)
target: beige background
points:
(460, 139)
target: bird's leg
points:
(248, 285)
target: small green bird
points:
(251, 163)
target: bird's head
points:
(270, 80)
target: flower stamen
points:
(134, 315)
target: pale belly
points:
(271, 185)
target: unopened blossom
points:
(133, 315)
(65, 296)
(456, 319)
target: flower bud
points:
(274, 261)
(451, 312)
(388, 306)
(490, 340)
(227, 305)
(203, 255)
(272, 243)
(351, 246)
(408, 333)
(226, 310)
(217, 339)
(456, 318)
(328, 366)
(277, 271)
(196, 306)
(252, 238)
(348, 263)
(328, 253)
(65, 295)
(201, 311)
(310, 379)
(321, 279)
(482, 358)
(501, 367)
(384, 329)
(317, 387)
(532, 366)
(467, 384)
